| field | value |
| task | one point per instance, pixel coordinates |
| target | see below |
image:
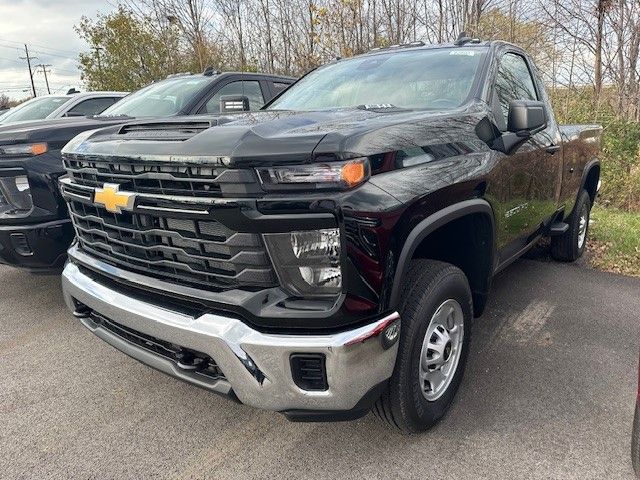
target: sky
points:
(46, 26)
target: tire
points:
(570, 246)
(411, 403)
(635, 441)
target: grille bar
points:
(162, 178)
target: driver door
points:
(527, 179)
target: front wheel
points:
(435, 332)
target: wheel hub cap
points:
(441, 350)
(582, 226)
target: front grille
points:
(201, 253)
(168, 236)
(160, 178)
(184, 358)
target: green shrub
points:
(620, 144)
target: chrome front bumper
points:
(256, 366)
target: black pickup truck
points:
(326, 255)
(35, 229)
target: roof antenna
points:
(209, 71)
(72, 91)
(463, 39)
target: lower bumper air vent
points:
(309, 371)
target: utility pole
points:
(28, 59)
(45, 71)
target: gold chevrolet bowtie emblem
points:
(113, 199)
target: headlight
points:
(333, 175)
(307, 262)
(75, 145)
(15, 196)
(30, 149)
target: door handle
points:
(553, 149)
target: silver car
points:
(58, 106)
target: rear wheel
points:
(435, 331)
(570, 246)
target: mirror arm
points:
(508, 141)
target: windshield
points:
(159, 99)
(413, 79)
(34, 109)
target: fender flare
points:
(585, 174)
(430, 225)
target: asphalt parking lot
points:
(548, 393)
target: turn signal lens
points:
(38, 148)
(353, 173)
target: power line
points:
(41, 52)
(55, 68)
(75, 72)
(41, 46)
(10, 60)
(53, 55)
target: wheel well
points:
(591, 182)
(466, 242)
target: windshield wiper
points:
(380, 107)
(112, 117)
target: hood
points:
(267, 137)
(56, 132)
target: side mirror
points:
(234, 103)
(74, 114)
(526, 117)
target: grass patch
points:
(614, 243)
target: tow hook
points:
(81, 311)
(188, 361)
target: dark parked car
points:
(35, 229)
(48, 107)
(635, 438)
(327, 254)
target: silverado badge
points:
(113, 199)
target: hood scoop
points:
(168, 131)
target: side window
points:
(250, 88)
(513, 82)
(278, 87)
(93, 106)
